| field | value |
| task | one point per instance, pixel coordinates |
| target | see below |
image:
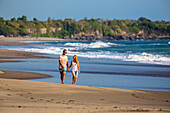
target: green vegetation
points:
(69, 27)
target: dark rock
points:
(98, 36)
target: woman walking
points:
(75, 68)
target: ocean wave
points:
(127, 56)
(79, 48)
(148, 58)
(42, 42)
(98, 44)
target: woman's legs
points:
(75, 74)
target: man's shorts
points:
(62, 70)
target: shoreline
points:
(18, 40)
(15, 54)
(30, 96)
(6, 74)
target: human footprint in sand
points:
(63, 61)
(75, 68)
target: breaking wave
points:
(138, 57)
(99, 49)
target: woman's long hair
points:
(75, 58)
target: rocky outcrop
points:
(52, 29)
(92, 36)
(30, 30)
(86, 36)
(118, 36)
(43, 30)
(59, 29)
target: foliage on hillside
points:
(69, 27)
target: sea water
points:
(117, 64)
(151, 52)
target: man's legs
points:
(62, 77)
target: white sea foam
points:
(37, 41)
(76, 48)
(98, 44)
(148, 58)
(128, 56)
(168, 42)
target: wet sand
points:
(21, 75)
(12, 54)
(18, 40)
(18, 96)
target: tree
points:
(73, 28)
(168, 29)
(35, 19)
(66, 25)
(24, 18)
(23, 32)
(57, 34)
(1, 19)
(49, 20)
(7, 30)
(144, 19)
(85, 19)
(118, 30)
(86, 28)
(48, 32)
(64, 33)
(22, 26)
(1, 29)
(94, 24)
(19, 18)
(134, 29)
(13, 19)
(107, 31)
(69, 27)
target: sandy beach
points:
(21, 75)
(38, 97)
(18, 40)
(18, 96)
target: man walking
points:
(63, 61)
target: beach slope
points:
(23, 96)
(18, 96)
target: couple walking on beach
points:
(63, 62)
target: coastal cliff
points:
(91, 37)
(87, 29)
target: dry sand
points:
(23, 96)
